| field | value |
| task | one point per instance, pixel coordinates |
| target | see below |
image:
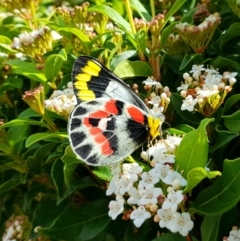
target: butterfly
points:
(110, 120)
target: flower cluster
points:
(206, 89)
(234, 235)
(199, 36)
(21, 8)
(35, 99)
(158, 97)
(35, 43)
(155, 193)
(62, 101)
(17, 228)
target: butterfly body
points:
(110, 121)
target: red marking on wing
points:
(101, 140)
(111, 107)
(99, 114)
(86, 122)
(136, 114)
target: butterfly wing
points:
(105, 131)
(92, 80)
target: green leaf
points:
(117, 59)
(103, 173)
(128, 69)
(189, 59)
(232, 122)
(27, 69)
(113, 14)
(43, 136)
(196, 175)
(223, 194)
(170, 237)
(5, 40)
(230, 102)
(141, 38)
(223, 137)
(69, 157)
(221, 62)
(18, 122)
(231, 32)
(175, 7)
(83, 223)
(53, 65)
(193, 149)
(165, 33)
(13, 182)
(58, 176)
(141, 10)
(83, 38)
(131, 235)
(210, 228)
(28, 113)
(190, 117)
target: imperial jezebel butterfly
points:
(110, 121)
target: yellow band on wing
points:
(86, 95)
(83, 77)
(91, 68)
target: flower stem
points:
(129, 14)
(152, 8)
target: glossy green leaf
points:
(222, 62)
(131, 235)
(117, 59)
(232, 122)
(230, 102)
(196, 175)
(83, 223)
(210, 228)
(53, 65)
(175, 7)
(43, 136)
(69, 157)
(18, 122)
(112, 14)
(231, 32)
(27, 113)
(103, 173)
(193, 149)
(165, 33)
(223, 137)
(27, 69)
(14, 181)
(83, 38)
(170, 237)
(190, 59)
(58, 176)
(128, 69)
(223, 194)
(140, 9)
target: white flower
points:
(171, 142)
(150, 81)
(229, 75)
(165, 217)
(134, 196)
(157, 112)
(213, 79)
(147, 178)
(155, 101)
(183, 87)
(139, 215)
(132, 170)
(173, 175)
(149, 195)
(124, 184)
(172, 200)
(112, 188)
(116, 207)
(115, 168)
(55, 35)
(160, 170)
(196, 70)
(181, 26)
(182, 223)
(189, 103)
(25, 38)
